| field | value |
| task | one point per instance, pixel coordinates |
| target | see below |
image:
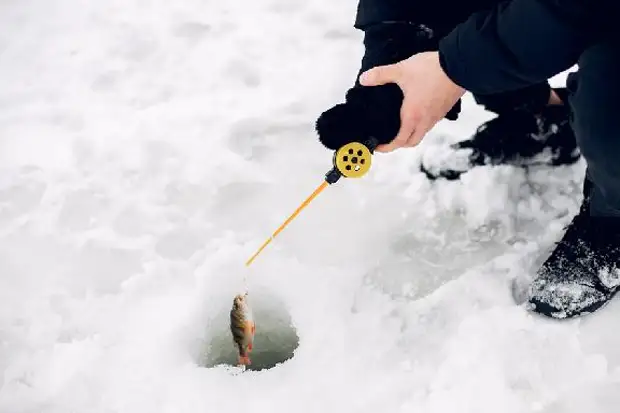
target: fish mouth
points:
(241, 299)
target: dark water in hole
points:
(275, 341)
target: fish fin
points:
(244, 360)
(250, 346)
(253, 328)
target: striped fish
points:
(242, 327)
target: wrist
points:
(456, 91)
(443, 65)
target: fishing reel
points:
(352, 160)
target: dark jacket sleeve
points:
(519, 43)
(440, 15)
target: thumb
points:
(381, 75)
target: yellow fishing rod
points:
(352, 160)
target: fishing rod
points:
(352, 160)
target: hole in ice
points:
(275, 341)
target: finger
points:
(407, 128)
(418, 134)
(408, 122)
(385, 148)
(398, 142)
(392, 146)
(381, 75)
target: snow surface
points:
(147, 148)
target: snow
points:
(147, 148)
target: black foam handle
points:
(372, 144)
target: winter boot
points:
(516, 137)
(582, 274)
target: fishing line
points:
(350, 161)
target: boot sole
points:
(552, 312)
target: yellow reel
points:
(353, 160)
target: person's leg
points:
(583, 272)
(594, 92)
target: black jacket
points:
(522, 42)
(439, 14)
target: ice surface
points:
(148, 148)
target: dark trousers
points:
(594, 97)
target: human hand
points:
(374, 112)
(428, 95)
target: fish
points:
(243, 328)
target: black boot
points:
(583, 272)
(518, 137)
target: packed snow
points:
(147, 148)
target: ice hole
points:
(275, 341)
